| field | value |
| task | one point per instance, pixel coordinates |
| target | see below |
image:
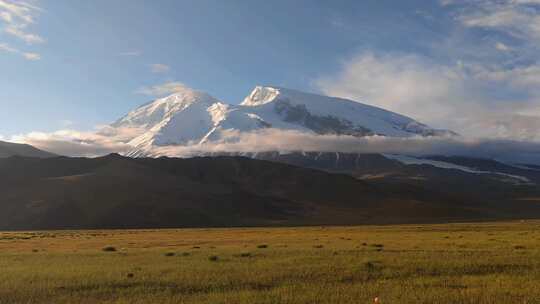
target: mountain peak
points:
(193, 117)
(261, 95)
(181, 98)
(188, 94)
(156, 111)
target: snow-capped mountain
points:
(193, 117)
(181, 118)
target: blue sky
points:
(471, 66)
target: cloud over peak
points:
(107, 140)
(483, 80)
(163, 89)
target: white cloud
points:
(67, 123)
(159, 68)
(28, 56)
(6, 17)
(107, 140)
(16, 19)
(162, 89)
(18, 10)
(446, 2)
(18, 32)
(130, 53)
(67, 142)
(492, 89)
(514, 17)
(32, 56)
(502, 47)
(458, 97)
(7, 48)
(293, 141)
(407, 84)
(521, 77)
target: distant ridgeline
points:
(225, 191)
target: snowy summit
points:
(192, 117)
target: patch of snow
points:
(409, 160)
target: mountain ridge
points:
(8, 149)
(224, 191)
(191, 117)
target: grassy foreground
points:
(453, 263)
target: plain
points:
(445, 263)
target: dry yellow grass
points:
(452, 263)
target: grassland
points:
(451, 263)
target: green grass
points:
(454, 263)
